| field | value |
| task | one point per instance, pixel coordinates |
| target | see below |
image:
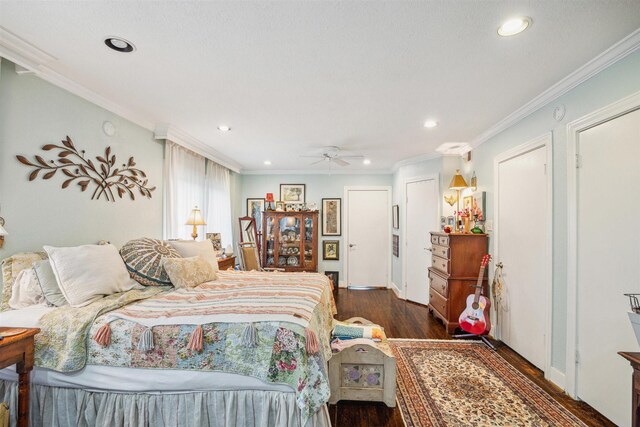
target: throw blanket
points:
(61, 344)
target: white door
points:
(368, 237)
(522, 236)
(422, 211)
(608, 255)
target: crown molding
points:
(180, 137)
(315, 172)
(22, 49)
(413, 160)
(615, 53)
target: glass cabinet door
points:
(308, 242)
(270, 246)
(289, 242)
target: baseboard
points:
(342, 284)
(556, 377)
(396, 290)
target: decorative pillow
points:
(189, 272)
(26, 291)
(11, 267)
(88, 273)
(191, 248)
(48, 283)
(143, 258)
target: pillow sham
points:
(89, 272)
(48, 283)
(189, 272)
(26, 291)
(191, 248)
(11, 267)
(143, 258)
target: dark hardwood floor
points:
(402, 319)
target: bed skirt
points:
(65, 407)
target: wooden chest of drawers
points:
(455, 263)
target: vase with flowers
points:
(465, 216)
(476, 212)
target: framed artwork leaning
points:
(334, 276)
(331, 250)
(332, 217)
(216, 239)
(292, 193)
(255, 207)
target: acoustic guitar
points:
(475, 318)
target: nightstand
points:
(18, 349)
(226, 263)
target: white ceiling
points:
(290, 77)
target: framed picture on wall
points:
(255, 207)
(334, 276)
(332, 217)
(467, 202)
(216, 239)
(396, 217)
(396, 245)
(292, 193)
(480, 199)
(331, 250)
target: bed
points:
(249, 349)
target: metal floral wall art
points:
(108, 180)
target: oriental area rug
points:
(464, 383)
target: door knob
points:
(351, 245)
(428, 249)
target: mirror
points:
(248, 232)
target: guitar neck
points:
(479, 284)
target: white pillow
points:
(191, 248)
(26, 290)
(88, 273)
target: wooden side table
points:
(634, 359)
(226, 263)
(18, 349)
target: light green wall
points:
(616, 82)
(33, 113)
(317, 188)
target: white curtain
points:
(184, 189)
(217, 201)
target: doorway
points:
(367, 236)
(603, 254)
(421, 198)
(523, 244)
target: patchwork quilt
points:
(248, 323)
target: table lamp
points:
(457, 183)
(269, 200)
(195, 219)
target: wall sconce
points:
(195, 219)
(3, 232)
(474, 182)
(451, 200)
(457, 183)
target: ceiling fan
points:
(332, 154)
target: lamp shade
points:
(3, 232)
(195, 217)
(458, 182)
(269, 197)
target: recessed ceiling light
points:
(267, 162)
(119, 44)
(224, 128)
(366, 162)
(514, 26)
(430, 124)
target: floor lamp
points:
(457, 183)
